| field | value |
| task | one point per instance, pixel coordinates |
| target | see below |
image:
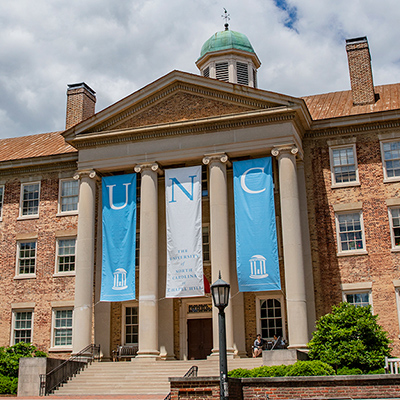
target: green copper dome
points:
(226, 40)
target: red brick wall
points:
(380, 266)
(316, 387)
(45, 288)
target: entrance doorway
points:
(200, 338)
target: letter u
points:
(110, 196)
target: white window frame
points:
(2, 188)
(386, 178)
(392, 236)
(339, 242)
(283, 310)
(55, 347)
(19, 275)
(57, 271)
(123, 324)
(13, 321)
(30, 216)
(335, 184)
(72, 212)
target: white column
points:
(148, 262)
(82, 333)
(308, 268)
(219, 239)
(102, 309)
(292, 247)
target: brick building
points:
(336, 172)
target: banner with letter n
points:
(256, 243)
(119, 238)
(184, 232)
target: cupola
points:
(230, 57)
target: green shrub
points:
(310, 368)
(377, 371)
(350, 337)
(349, 371)
(240, 373)
(8, 385)
(272, 371)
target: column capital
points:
(155, 167)
(91, 173)
(216, 157)
(285, 149)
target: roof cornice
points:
(355, 124)
(198, 126)
(39, 164)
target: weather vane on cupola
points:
(226, 16)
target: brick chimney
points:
(81, 101)
(359, 57)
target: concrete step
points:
(141, 376)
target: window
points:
(62, 327)
(350, 235)
(1, 201)
(391, 160)
(271, 318)
(69, 190)
(131, 325)
(206, 243)
(204, 181)
(255, 77)
(358, 299)
(242, 73)
(22, 322)
(394, 220)
(30, 193)
(344, 166)
(66, 255)
(206, 72)
(26, 258)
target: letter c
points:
(243, 181)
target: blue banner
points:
(119, 238)
(256, 244)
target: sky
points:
(119, 46)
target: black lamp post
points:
(220, 293)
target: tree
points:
(350, 337)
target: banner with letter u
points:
(184, 232)
(119, 238)
(256, 244)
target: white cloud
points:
(117, 47)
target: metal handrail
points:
(60, 374)
(191, 373)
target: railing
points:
(191, 373)
(59, 375)
(392, 365)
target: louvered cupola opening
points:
(206, 72)
(242, 73)
(222, 71)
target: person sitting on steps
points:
(258, 345)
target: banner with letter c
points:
(256, 243)
(119, 238)
(184, 232)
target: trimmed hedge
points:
(8, 385)
(300, 368)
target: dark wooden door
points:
(200, 340)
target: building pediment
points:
(176, 99)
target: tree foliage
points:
(350, 337)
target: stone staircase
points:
(141, 376)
